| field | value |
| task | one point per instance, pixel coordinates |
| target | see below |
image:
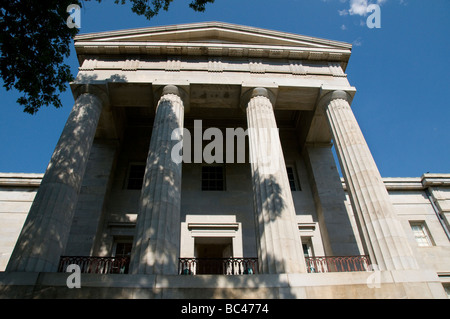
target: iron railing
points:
(218, 266)
(337, 264)
(96, 265)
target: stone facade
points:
(17, 192)
(113, 188)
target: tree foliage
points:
(35, 40)
(149, 10)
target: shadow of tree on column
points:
(275, 221)
(46, 229)
(158, 223)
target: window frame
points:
(212, 180)
(424, 240)
(118, 241)
(294, 178)
(127, 180)
(307, 241)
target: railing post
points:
(225, 266)
(337, 264)
(98, 265)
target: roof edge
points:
(211, 24)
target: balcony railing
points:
(218, 266)
(96, 265)
(337, 264)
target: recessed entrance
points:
(211, 253)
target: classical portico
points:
(113, 190)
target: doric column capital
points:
(255, 92)
(96, 90)
(333, 95)
(260, 92)
(341, 95)
(181, 91)
(171, 89)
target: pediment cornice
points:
(211, 39)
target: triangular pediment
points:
(212, 39)
(213, 32)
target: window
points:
(121, 252)
(123, 249)
(309, 254)
(213, 178)
(307, 247)
(292, 179)
(421, 234)
(135, 176)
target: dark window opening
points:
(121, 256)
(291, 178)
(213, 178)
(123, 249)
(135, 176)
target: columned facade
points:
(149, 194)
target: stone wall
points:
(17, 192)
(358, 285)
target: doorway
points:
(211, 254)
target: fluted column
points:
(278, 238)
(157, 239)
(46, 229)
(384, 237)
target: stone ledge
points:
(222, 281)
(20, 179)
(383, 284)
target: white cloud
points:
(359, 7)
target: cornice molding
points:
(212, 39)
(179, 32)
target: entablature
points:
(212, 92)
(213, 64)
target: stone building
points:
(197, 162)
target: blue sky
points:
(401, 72)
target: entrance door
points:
(212, 253)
